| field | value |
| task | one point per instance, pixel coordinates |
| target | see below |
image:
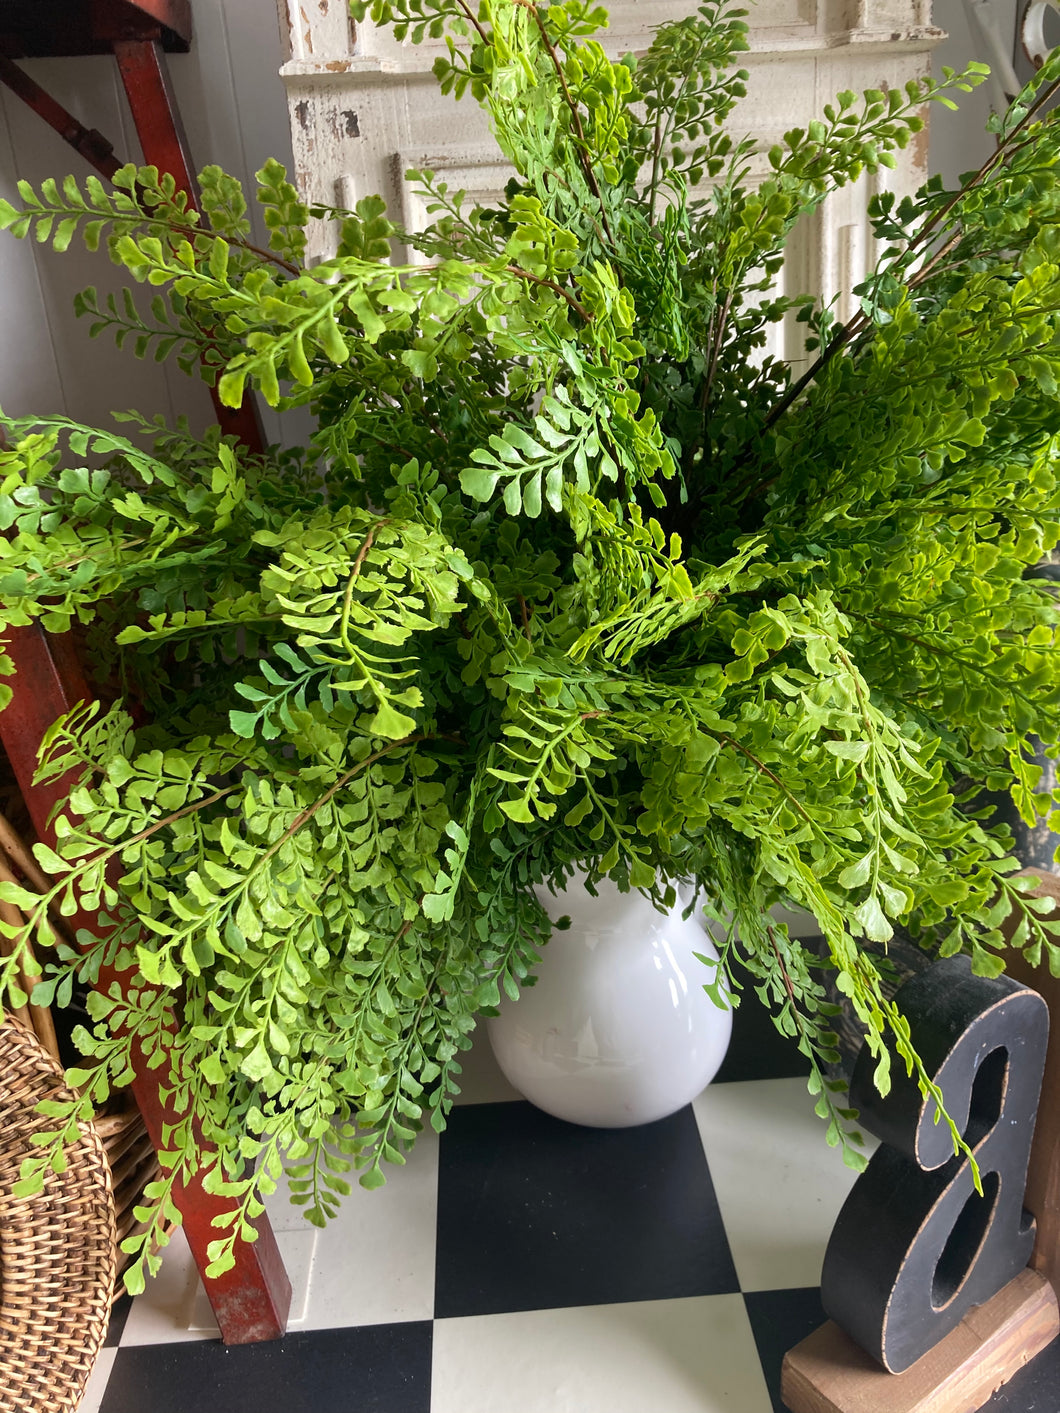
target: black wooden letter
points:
(915, 1246)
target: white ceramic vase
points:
(618, 1029)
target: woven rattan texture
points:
(57, 1249)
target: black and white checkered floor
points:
(523, 1265)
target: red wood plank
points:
(120, 19)
(251, 1302)
(143, 70)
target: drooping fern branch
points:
(569, 575)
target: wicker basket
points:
(129, 1151)
(57, 1249)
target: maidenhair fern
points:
(572, 574)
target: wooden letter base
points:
(828, 1373)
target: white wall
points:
(235, 114)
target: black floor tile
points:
(779, 1320)
(119, 1313)
(371, 1369)
(537, 1214)
(757, 1049)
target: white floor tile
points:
(97, 1383)
(480, 1078)
(681, 1356)
(163, 1314)
(779, 1185)
(375, 1262)
(372, 1265)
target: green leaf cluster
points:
(571, 575)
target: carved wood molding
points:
(364, 108)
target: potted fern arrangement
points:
(572, 575)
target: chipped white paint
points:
(479, 169)
(316, 32)
(364, 108)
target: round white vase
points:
(618, 1029)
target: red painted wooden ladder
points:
(251, 1302)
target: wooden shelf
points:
(45, 29)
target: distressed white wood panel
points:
(361, 115)
(317, 31)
